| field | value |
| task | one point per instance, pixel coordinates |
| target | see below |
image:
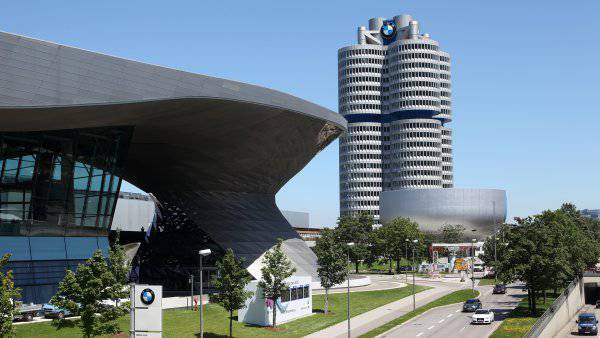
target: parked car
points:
(499, 289)
(53, 311)
(26, 312)
(482, 316)
(597, 304)
(472, 305)
(587, 324)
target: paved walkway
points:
(378, 282)
(370, 320)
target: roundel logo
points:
(147, 296)
(388, 29)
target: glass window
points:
(294, 293)
(81, 247)
(18, 247)
(47, 248)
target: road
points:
(449, 321)
(570, 330)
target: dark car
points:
(597, 304)
(587, 324)
(499, 289)
(472, 305)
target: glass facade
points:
(58, 191)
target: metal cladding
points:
(217, 149)
(475, 209)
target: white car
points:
(482, 316)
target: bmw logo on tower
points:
(388, 30)
(147, 296)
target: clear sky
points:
(525, 76)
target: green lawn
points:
(487, 281)
(184, 323)
(455, 297)
(521, 320)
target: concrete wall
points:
(564, 312)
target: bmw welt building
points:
(214, 152)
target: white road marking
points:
(457, 310)
(431, 327)
(450, 315)
(462, 328)
(441, 321)
(420, 334)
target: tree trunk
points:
(390, 269)
(529, 299)
(398, 264)
(230, 323)
(533, 302)
(326, 300)
(274, 312)
(356, 267)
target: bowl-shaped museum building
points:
(213, 152)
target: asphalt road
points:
(449, 321)
(570, 330)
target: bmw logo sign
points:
(388, 30)
(147, 296)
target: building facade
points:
(395, 93)
(213, 152)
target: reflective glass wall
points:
(60, 182)
(58, 191)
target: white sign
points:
(146, 311)
(296, 302)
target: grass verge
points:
(455, 297)
(487, 281)
(184, 323)
(521, 320)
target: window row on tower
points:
(357, 52)
(409, 93)
(408, 56)
(444, 59)
(354, 176)
(359, 147)
(414, 125)
(363, 97)
(359, 185)
(447, 168)
(409, 173)
(410, 46)
(408, 75)
(409, 84)
(412, 103)
(357, 166)
(446, 141)
(358, 106)
(351, 204)
(359, 194)
(349, 62)
(354, 88)
(410, 65)
(414, 144)
(360, 157)
(415, 134)
(357, 79)
(413, 183)
(410, 154)
(358, 138)
(358, 70)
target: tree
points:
(119, 267)
(8, 296)
(356, 229)
(500, 247)
(230, 283)
(84, 292)
(331, 257)
(394, 235)
(276, 268)
(453, 233)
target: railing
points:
(548, 315)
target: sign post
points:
(146, 311)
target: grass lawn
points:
(184, 323)
(487, 281)
(455, 297)
(520, 320)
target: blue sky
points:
(525, 76)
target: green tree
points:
(85, 291)
(453, 233)
(394, 235)
(500, 246)
(331, 258)
(119, 267)
(8, 296)
(356, 229)
(230, 282)
(276, 268)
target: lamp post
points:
(202, 253)
(192, 291)
(495, 237)
(473, 264)
(413, 264)
(406, 249)
(351, 244)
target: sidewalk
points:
(370, 320)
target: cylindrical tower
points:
(394, 90)
(360, 70)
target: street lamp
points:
(415, 241)
(495, 237)
(202, 253)
(406, 249)
(473, 264)
(351, 244)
